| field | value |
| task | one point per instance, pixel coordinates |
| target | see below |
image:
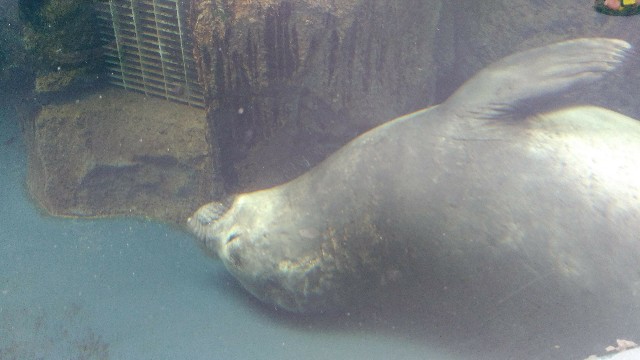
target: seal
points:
(472, 196)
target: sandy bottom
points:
(135, 289)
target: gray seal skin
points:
(473, 197)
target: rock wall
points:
(14, 70)
(288, 76)
(318, 68)
(62, 41)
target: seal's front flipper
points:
(498, 89)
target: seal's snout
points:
(207, 225)
(202, 222)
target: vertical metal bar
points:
(187, 89)
(152, 68)
(116, 34)
(160, 49)
(136, 25)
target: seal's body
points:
(468, 197)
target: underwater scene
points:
(312, 179)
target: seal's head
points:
(264, 243)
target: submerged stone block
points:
(119, 153)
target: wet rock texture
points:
(119, 153)
(299, 78)
(317, 68)
(62, 42)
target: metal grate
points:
(147, 50)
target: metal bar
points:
(187, 90)
(115, 33)
(150, 53)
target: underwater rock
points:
(63, 43)
(318, 68)
(115, 152)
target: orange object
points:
(612, 4)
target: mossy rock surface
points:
(62, 41)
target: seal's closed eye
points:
(232, 237)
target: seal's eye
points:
(232, 237)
